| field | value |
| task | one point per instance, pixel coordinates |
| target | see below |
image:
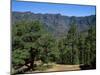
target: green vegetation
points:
(32, 43)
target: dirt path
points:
(59, 67)
(64, 67)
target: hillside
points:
(55, 23)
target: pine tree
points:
(24, 47)
(47, 47)
(81, 47)
(91, 47)
(72, 38)
(62, 51)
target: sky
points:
(44, 8)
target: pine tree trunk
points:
(32, 64)
(32, 57)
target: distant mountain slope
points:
(55, 23)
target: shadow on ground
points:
(87, 67)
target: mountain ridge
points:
(56, 23)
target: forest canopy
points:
(31, 43)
